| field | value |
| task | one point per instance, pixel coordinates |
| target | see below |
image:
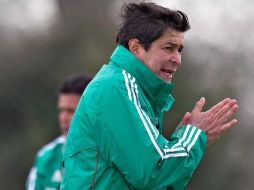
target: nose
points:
(176, 58)
(64, 116)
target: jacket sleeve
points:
(128, 140)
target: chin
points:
(167, 81)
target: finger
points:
(199, 105)
(228, 106)
(219, 105)
(225, 116)
(228, 125)
(227, 111)
(186, 117)
(222, 127)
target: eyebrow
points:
(175, 45)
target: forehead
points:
(68, 99)
(171, 36)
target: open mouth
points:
(168, 72)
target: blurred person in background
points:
(46, 172)
(115, 139)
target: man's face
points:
(164, 55)
(66, 106)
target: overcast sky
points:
(27, 15)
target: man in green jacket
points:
(115, 141)
(47, 170)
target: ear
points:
(135, 47)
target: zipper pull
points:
(157, 123)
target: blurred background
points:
(45, 41)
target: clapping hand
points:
(213, 121)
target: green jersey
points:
(46, 173)
(115, 140)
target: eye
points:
(168, 48)
(180, 50)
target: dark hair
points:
(75, 84)
(147, 22)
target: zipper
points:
(96, 168)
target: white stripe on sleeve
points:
(177, 150)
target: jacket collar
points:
(157, 90)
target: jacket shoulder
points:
(51, 147)
(108, 78)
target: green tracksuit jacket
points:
(115, 140)
(46, 174)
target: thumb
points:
(199, 105)
(186, 118)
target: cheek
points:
(157, 63)
(154, 61)
(163, 57)
(156, 67)
(69, 117)
(65, 117)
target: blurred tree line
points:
(33, 67)
(81, 41)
